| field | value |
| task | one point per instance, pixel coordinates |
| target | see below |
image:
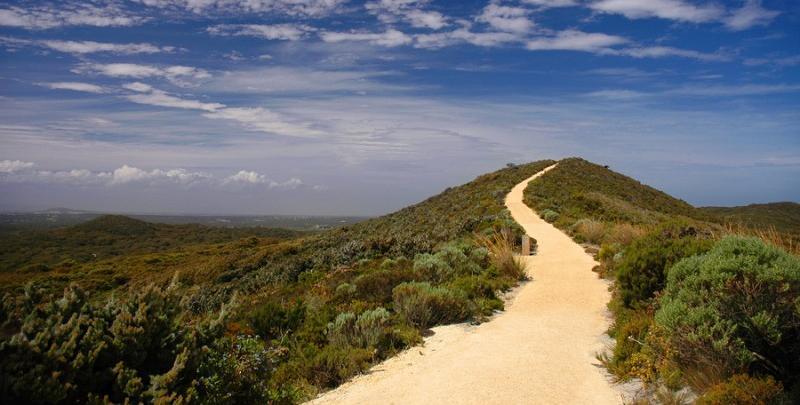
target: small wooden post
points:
(526, 245)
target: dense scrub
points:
(311, 312)
(691, 307)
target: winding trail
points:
(540, 350)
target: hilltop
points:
(783, 216)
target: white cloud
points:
(297, 80)
(85, 47)
(389, 38)
(783, 61)
(74, 86)
(162, 99)
(505, 18)
(290, 32)
(245, 177)
(678, 10)
(734, 90)
(12, 166)
(426, 19)
(314, 8)
(665, 51)
(464, 35)
(72, 14)
(138, 86)
(551, 3)
(16, 171)
(749, 15)
(410, 11)
(572, 40)
(176, 74)
(263, 120)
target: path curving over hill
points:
(539, 350)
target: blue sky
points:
(352, 107)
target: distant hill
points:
(113, 236)
(784, 216)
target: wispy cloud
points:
(177, 74)
(53, 15)
(75, 86)
(311, 8)
(87, 47)
(749, 15)
(291, 32)
(389, 38)
(678, 10)
(506, 18)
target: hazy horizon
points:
(354, 108)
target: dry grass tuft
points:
(625, 234)
(590, 230)
(501, 253)
(769, 235)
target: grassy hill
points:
(783, 216)
(272, 321)
(113, 235)
(693, 293)
(191, 313)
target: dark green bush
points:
(271, 320)
(642, 271)
(423, 306)
(735, 309)
(143, 348)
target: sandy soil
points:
(540, 350)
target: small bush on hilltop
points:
(549, 215)
(642, 270)
(735, 309)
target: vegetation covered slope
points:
(697, 302)
(278, 325)
(783, 216)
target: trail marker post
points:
(526, 245)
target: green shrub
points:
(423, 306)
(376, 286)
(642, 271)
(333, 365)
(271, 320)
(433, 267)
(742, 389)
(549, 215)
(735, 309)
(141, 349)
(364, 331)
(237, 371)
(345, 290)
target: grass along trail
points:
(541, 349)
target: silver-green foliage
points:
(735, 308)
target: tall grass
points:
(769, 235)
(501, 248)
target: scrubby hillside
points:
(697, 302)
(783, 216)
(277, 324)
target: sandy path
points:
(540, 350)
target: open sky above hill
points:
(351, 107)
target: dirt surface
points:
(540, 350)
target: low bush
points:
(272, 320)
(745, 390)
(423, 305)
(549, 215)
(642, 270)
(363, 331)
(735, 309)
